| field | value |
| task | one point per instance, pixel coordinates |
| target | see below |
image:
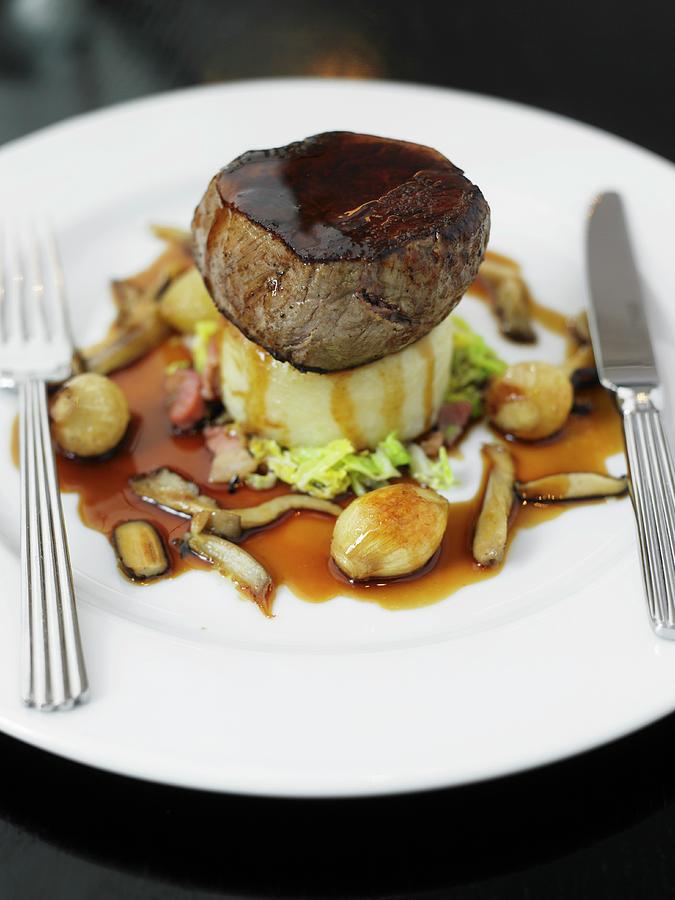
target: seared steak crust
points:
(340, 249)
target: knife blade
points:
(623, 348)
(626, 365)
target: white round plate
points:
(192, 686)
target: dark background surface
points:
(601, 825)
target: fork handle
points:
(653, 492)
(53, 671)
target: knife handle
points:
(652, 481)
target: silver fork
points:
(35, 348)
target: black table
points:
(602, 824)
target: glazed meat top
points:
(340, 195)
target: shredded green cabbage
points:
(336, 468)
(176, 365)
(473, 362)
(204, 331)
(433, 473)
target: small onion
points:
(389, 532)
(531, 401)
(90, 415)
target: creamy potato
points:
(401, 392)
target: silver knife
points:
(626, 365)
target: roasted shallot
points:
(89, 415)
(530, 400)
(389, 532)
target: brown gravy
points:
(296, 551)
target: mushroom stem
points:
(571, 486)
(489, 542)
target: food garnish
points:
(335, 371)
(139, 325)
(510, 300)
(269, 511)
(530, 400)
(489, 542)
(389, 532)
(337, 468)
(89, 415)
(186, 405)
(433, 473)
(186, 303)
(578, 326)
(176, 494)
(140, 550)
(473, 364)
(571, 486)
(249, 577)
(231, 456)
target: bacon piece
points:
(453, 419)
(230, 456)
(431, 443)
(186, 404)
(211, 374)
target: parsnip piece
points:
(171, 234)
(90, 415)
(233, 562)
(391, 531)
(571, 486)
(140, 550)
(265, 513)
(170, 491)
(489, 542)
(186, 302)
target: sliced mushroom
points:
(250, 578)
(510, 300)
(578, 326)
(489, 542)
(580, 366)
(265, 513)
(124, 345)
(140, 550)
(175, 494)
(571, 486)
(138, 326)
